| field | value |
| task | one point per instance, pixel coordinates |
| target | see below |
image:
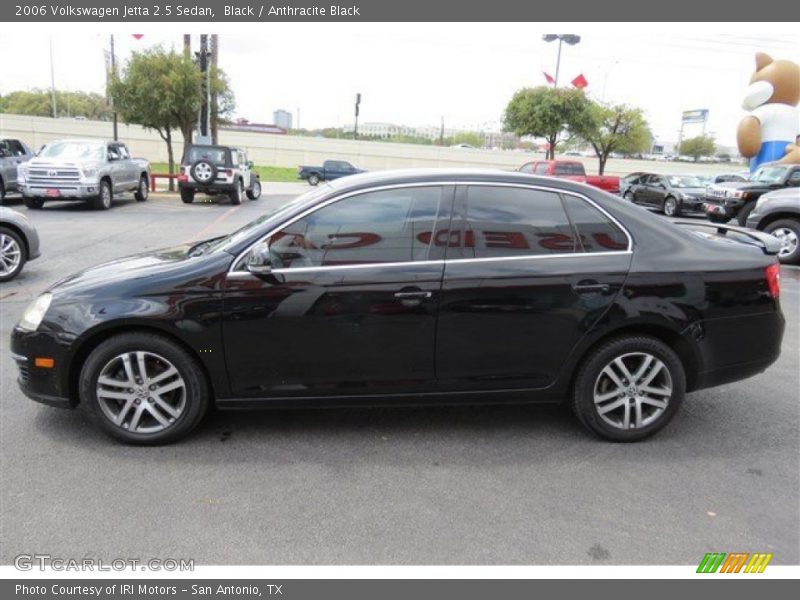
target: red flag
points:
(549, 79)
(580, 82)
(138, 36)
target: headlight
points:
(89, 172)
(35, 312)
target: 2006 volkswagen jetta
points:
(413, 287)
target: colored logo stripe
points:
(758, 563)
(734, 562)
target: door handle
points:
(413, 295)
(591, 287)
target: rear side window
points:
(541, 169)
(505, 222)
(597, 232)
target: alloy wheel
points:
(144, 189)
(632, 391)
(670, 207)
(10, 255)
(105, 195)
(788, 239)
(141, 392)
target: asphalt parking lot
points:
(468, 485)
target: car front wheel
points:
(33, 203)
(144, 389)
(254, 193)
(671, 207)
(629, 388)
(142, 191)
(103, 199)
(788, 232)
(12, 254)
(629, 197)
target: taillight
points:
(773, 275)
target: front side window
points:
(507, 222)
(541, 169)
(386, 226)
(597, 232)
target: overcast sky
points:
(413, 74)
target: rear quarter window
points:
(596, 231)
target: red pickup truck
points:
(572, 170)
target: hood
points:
(157, 272)
(46, 162)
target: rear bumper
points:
(209, 187)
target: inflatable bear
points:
(771, 132)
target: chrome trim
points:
(629, 250)
(19, 357)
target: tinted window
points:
(526, 168)
(503, 222)
(541, 168)
(375, 227)
(217, 156)
(569, 169)
(597, 232)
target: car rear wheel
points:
(12, 254)
(34, 203)
(671, 207)
(103, 199)
(313, 179)
(187, 195)
(237, 193)
(143, 190)
(629, 388)
(254, 193)
(144, 389)
(744, 212)
(788, 232)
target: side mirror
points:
(112, 157)
(260, 262)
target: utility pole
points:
(113, 74)
(187, 45)
(203, 117)
(441, 133)
(52, 83)
(355, 127)
(298, 118)
(213, 93)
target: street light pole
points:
(569, 38)
(558, 62)
(113, 73)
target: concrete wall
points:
(290, 151)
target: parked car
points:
(629, 180)
(778, 213)
(673, 195)
(735, 200)
(19, 243)
(330, 170)
(92, 171)
(216, 170)
(411, 287)
(12, 154)
(572, 170)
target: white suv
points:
(217, 170)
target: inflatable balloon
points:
(771, 130)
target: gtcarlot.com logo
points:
(735, 562)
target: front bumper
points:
(46, 385)
(79, 191)
(693, 206)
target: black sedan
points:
(413, 287)
(674, 195)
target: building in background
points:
(282, 118)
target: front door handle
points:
(591, 287)
(416, 295)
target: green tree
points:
(68, 104)
(466, 137)
(702, 145)
(548, 113)
(617, 128)
(160, 90)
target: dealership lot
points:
(504, 485)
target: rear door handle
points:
(413, 295)
(591, 288)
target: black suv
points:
(217, 170)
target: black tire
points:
(187, 195)
(792, 225)
(104, 196)
(629, 197)
(715, 218)
(33, 203)
(589, 373)
(313, 179)
(17, 247)
(254, 193)
(2, 191)
(196, 395)
(744, 212)
(671, 207)
(203, 172)
(143, 191)
(237, 193)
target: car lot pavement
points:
(467, 485)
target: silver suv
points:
(216, 170)
(12, 154)
(94, 171)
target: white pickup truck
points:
(94, 171)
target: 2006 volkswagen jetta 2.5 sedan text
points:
(414, 287)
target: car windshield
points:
(684, 181)
(75, 150)
(227, 241)
(769, 174)
(218, 156)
